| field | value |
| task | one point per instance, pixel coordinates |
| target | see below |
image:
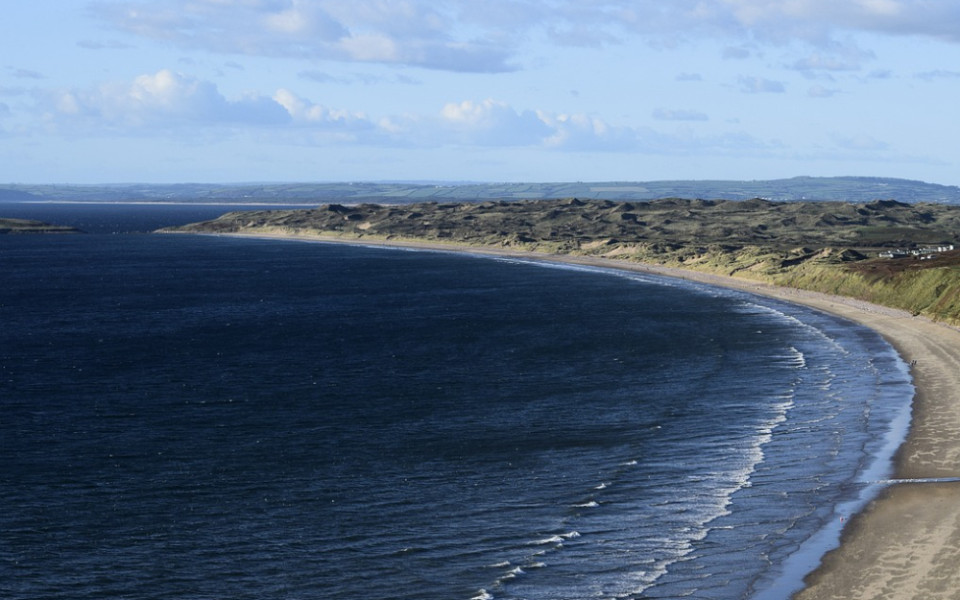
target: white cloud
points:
(493, 123)
(409, 32)
(167, 103)
(819, 21)
(488, 36)
(760, 85)
(305, 112)
(356, 78)
(170, 102)
(818, 91)
(938, 74)
(581, 132)
(164, 99)
(323, 77)
(25, 73)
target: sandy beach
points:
(906, 543)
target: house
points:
(924, 253)
(935, 249)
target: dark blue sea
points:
(193, 417)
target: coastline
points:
(906, 542)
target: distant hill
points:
(11, 195)
(848, 189)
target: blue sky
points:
(479, 90)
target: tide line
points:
(914, 480)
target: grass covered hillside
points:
(823, 246)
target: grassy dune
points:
(823, 246)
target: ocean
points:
(199, 417)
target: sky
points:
(211, 91)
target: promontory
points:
(28, 226)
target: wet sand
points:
(906, 543)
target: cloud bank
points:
(168, 103)
(471, 36)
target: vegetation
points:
(825, 246)
(26, 226)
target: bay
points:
(197, 417)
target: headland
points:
(16, 226)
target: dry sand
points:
(906, 543)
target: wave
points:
(795, 359)
(556, 539)
(648, 278)
(813, 375)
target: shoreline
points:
(905, 543)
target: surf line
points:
(914, 480)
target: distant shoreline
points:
(14, 226)
(160, 203)
(843, 188)
(906, 543)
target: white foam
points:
(553, 539)
(797, 358)
(590, 504)
(511, 574)
(729, 477)
(556, 539)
